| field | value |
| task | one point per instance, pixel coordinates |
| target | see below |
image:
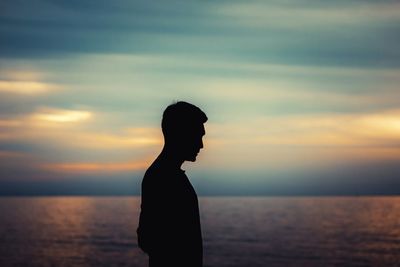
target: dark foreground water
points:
(237, 231)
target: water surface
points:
(237, 231)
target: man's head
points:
(183, 129)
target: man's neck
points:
(169, 156)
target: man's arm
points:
(158, 222)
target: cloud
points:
(19, 165)
(26, 82)
(95, 167)
(287, 85)
(373, 129)
(22, 87)
(53, 115)
(295, 14)
(10, 123)
(137, 87)
(64, 128)
(281, 33)
(302, 142)
(89, 27)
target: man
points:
(169, 225)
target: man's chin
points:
(192, 158)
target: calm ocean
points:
(237, 231)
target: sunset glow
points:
(83, 167)
(62, 116)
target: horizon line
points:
(202, 196)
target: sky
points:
(302, 96)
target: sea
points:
(237, 231)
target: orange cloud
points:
(63, 131)
(95, 167)
(304, 141)
(10, 123)
(374, 129)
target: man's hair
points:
(181, 117)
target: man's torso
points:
(169, 225)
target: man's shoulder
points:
(161, 174)
(156, 172)
(158, 179)
(155, 169)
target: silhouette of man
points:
(169, 225)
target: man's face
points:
(193, 142)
